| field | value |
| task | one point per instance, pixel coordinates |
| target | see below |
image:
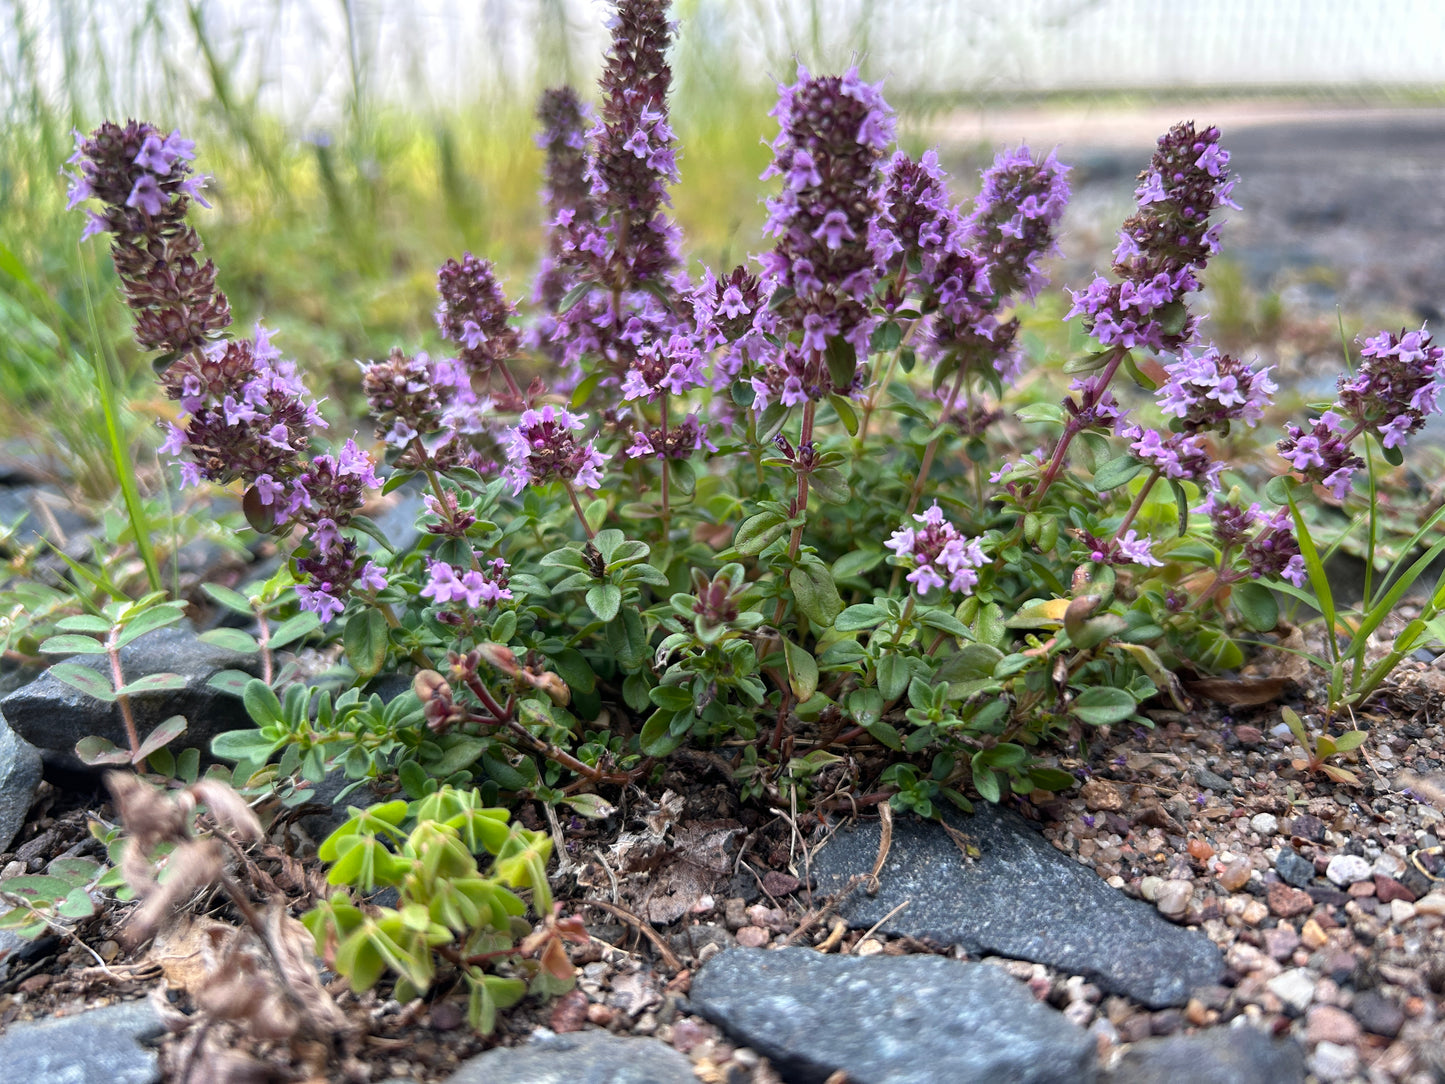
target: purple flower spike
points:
(1013, 220)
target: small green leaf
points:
(230, 681)
(293, 629)
(91, 682)
(149, 621)
(815, 593)
(1116, 472)
(231, 640)
(759, 531)
(1103, 705)
(1256, 604)
(657, 738)
(95, 750)
(802, 670)
(604, 600)
(886, 734)
(72, 644)
(894, 674)
(262, 704)
(153, 683)
(366, 641)
(864, 615)
(671, 697)
(84, 623)
(1351, 739)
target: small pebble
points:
(1266, 824)
(1101, 796)
(1174, 896)
(1235, 875)
(1149, 887)
(1295, 987)
(1388, 865)
(1079, 1013)
(1433, 904)
(1312, 935)
(1307, 826)
(1293, 869)
(1254, 913)
(1287, 902)
(757, 937)
(1377, 1014)
(1388, 889)
(1346, 869)
(1330, 1062)
(1327, 1024)
(1281, 941)
(1401, 912)
(867, 947)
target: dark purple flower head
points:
(475, 314)
(1013, 220)
(145, 181)
(635, 156)
(673, 368)
(1396, 388)
(566, 197)
(680, 440)
(916, 225)
(332, 572)
(1269, 545)
(1163, 246)
(543, 445)
(834, 131)
(725, 308)
(1210, 390)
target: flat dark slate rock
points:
(20, 772)
(889, 1019)
(578, 1057)
(1237, 1055)
(100, 1046)
(1022, 898)
(53, 716)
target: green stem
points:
(666, 510)
(1072, 428)
(1138, 504)
(800, 502)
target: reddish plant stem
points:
(577, 507)
(666, 511)
(1138, 504)
(1073, 428)
(117, 680)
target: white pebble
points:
(1433, 904)
(1331, 1061)
(1388, 865)
(1346, 869)
(1295, 987)
(1266, 824)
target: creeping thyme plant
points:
(825, 505)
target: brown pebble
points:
(735, 913)
(1361, 889)
(1201, 850)
(1135, 1028)
(1388, 889)
(1101, 796)
(601, 1015)
(1196, 1013)
(1313, 934)
(688, 1033)
(1327, 1024)
(1281, 941)
(1288, 901)
(1254, 913)
(34, 984)
(569, 1012)
(753, 937)
(1248, 736)
(1235, 875)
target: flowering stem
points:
(666, 511)
(1221, 581)
(263, 641)
(577, 507)
(1073, 427)
(903, 621)
(882, 386)
(800, 502)
(932, 450)
(1138, 504)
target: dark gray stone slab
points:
(889, 1019)
(20, 771)
(1237, 1055)
(53, 716)
(102, 1046)
(1021, 898)
(578, 1057)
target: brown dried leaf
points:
(196, 863)
(1240, 692)
(228, 808)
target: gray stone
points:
(1213, 781)
(1377, 1013)
(1021, 898)
(1293, 868)
(101, 1046)
(578, 1057)
(19, 776)
(44, 514)
(53, 716)
(1238, 1055)
(889, 1019)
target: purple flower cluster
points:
(1210, 390)
(425, 409)
(834, 129)
(1162, 246)
(566, 198)
(249, 418)
(475, 314)
(1394, 391)
(940, 556)
(1269, 545)
(1181, 456)
(1013, 220)
(675, 369)
(1129, 548)
(916, 227)
(145, 181)
(473, 588)
(542, 446)
(679, 441)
